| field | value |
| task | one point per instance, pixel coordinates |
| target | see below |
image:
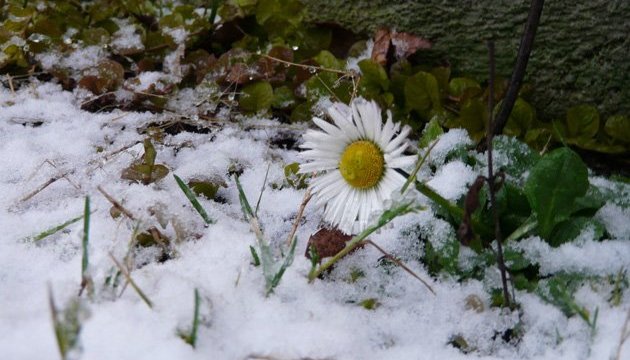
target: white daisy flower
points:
(355, 160)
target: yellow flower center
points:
(362, 164)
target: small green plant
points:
(272, 269)
(67, 324)
(146, 171)
(191, 337)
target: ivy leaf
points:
(457, 86)
(554, 183)
(256, 97)
(422, 93)
(328, 60)
(283, 98)
(373, 80)
(582, 122)
(618, 128)
(472, 117)
(521, 118)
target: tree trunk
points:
(581, 52)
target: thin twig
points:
(116, 204)
(308, 67)
(298, 217)
(518, 74)
(401, 264)
(41, 188)
(10, 80)
(491, 177)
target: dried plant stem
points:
(401, 264)
(10, 80)
(127, 276)
(308, 67)
(491, 177)
(116, 204)
(41, 188)
(298, 217)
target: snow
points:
(41, 123)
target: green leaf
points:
(327, 60)
(521, 119)
(618, 128)
(582, 122)
(559, 291)
(373, 79)
(458, 86)
(520, 157)
(568, 230)
(422, 93)
(193, 200)
(554, 183)
(149, 153)
(283, 98)
(472, 117)
(256, 97)
(442, 74)
(432, 131)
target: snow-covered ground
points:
(44, 135)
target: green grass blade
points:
(254, 256)
(46, 233)
(193, 200)
(247, 209)
(288, 260)
(86, 237)
(195, 325)
(62, 342)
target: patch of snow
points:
(41, 123)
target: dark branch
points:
(518, 74)
(491, 176)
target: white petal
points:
(331, 129)
(356, 117)
(398, 151)
(398, 140)
(401, 162)
(321, 165)
(339, 111)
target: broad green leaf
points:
(422, 93)
(582, 121)
(568, 230)
(618, 128)
(256, 97)
(554, 183)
